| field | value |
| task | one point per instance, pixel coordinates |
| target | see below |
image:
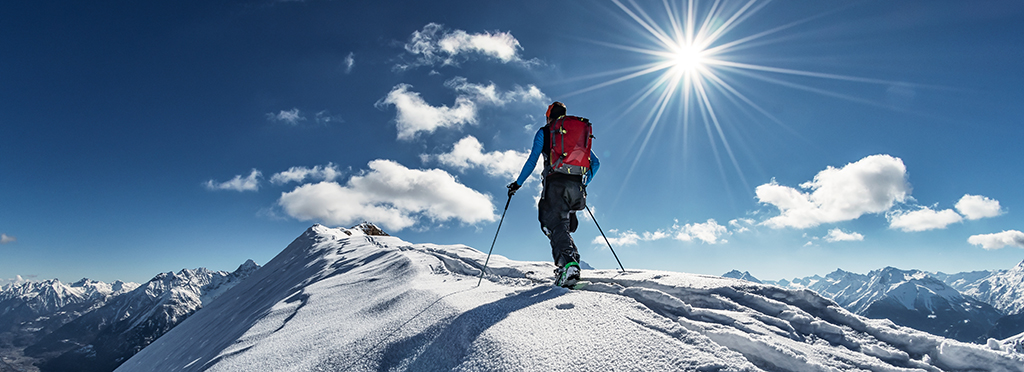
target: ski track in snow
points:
(339, 300)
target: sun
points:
(687, 58)
(697, 59)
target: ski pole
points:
(493, 241)
(605, 239)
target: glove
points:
(512, 187)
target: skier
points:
(565, 180)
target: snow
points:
(1003, 289)
(338, 299)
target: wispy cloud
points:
(415, 115)
(249, 183)
(328, 172)
(1012, 238)
(871, 185)
(434, 45)
(391, 195)
(350, 61)
(469, 153)
(7, 239)
(291, 117)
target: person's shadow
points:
(445, 345)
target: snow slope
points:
(341, 300)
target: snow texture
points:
(340, 300)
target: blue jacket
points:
(538, 149)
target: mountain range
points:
(358, 299)
(969, 306)
(93, 326)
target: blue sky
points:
(787, 139)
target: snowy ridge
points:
(338, 299)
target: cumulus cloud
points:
(999, 240)
(291, 117)
(922, 219)
(7, 239)
(837, 235)
(249, 183)
(709, 232)
(328, 172)
(434, 45)
(415, 115)
(871, 185)
(391, 195)
(350, 61)
(975, 207)
(469, 153)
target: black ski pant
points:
(563, 195)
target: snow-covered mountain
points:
(1003, 289)
(103, 338)
(27, 301)
(31, 310)
(736, 274)
(341, 300)
(910, 298)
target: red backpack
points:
(570, 139)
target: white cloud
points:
(250, 183)
(350, 61)
(741, 225)
(977, 207)
(325, 117)
(998, 240)
(328, 172)
(469, 153)
(837, 235)
(391, 195)
(709, 232)
(624, 239)
(922, 219)
(434, 45)
(489, 94)
(415, 115)
(870, 185)
(292, 117)
(7, 239)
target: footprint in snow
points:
(565, 306)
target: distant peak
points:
(1019, 267)
(247, 267)
(370, 229)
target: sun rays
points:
(697, 53)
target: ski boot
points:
(567, 276)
